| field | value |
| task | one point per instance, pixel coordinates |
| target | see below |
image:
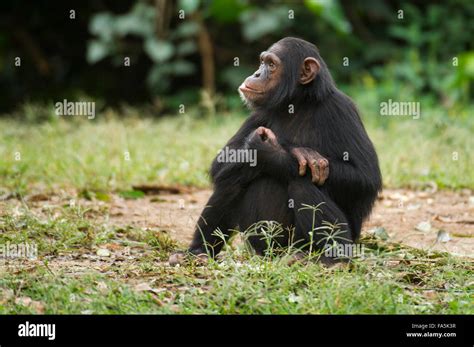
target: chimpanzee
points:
(299, 120)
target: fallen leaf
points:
(412, 207)
(431, 187)
(443, 219)
(102, 287)
(157, 300)
(6, 295)
(398, 196)
(424, 226)
(103, 252)
(23, 301)
(380, 233)
(113, 246)
(38, 307)
(471, 201)
(393, 263)
(293, 298)
(26, 301)
(430, 294)
(143, 287)
(443, 236)
(152, 189)
(38, 197)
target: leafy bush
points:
(169, 55)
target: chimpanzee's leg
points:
(303, 191)
(216, 215)
(265, 199)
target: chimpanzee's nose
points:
(256, 74)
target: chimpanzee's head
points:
(291, 70)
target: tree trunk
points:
(206, 50)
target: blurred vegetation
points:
(177, 49)
(115, 154)
(184, 53)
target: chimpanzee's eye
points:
(271, 65)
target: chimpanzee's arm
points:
(230, 173)
(273, 160)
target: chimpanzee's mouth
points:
(245, 88)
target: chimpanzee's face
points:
(287, 68)
(257, 87)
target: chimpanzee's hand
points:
(263, 136)
(317, 163)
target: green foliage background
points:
(402, 53)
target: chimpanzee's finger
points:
(271, 137)
(323, 163)
(315, 176)
(270, 134)
(301, 161)
(260, 130)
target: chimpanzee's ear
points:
(309, 70)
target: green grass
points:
(255, 287)
(70, 277)
(92, 154)
(88, 154)
(252, 286)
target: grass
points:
(69, 275)
(112, 154)
(109, 154)
(253, 287)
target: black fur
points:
(324, 119)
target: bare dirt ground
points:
(440, 220)
(410, 217)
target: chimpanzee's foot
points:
(180, 257)
(201, 259)
(332, 261)
(298, 257)
(177, 258)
